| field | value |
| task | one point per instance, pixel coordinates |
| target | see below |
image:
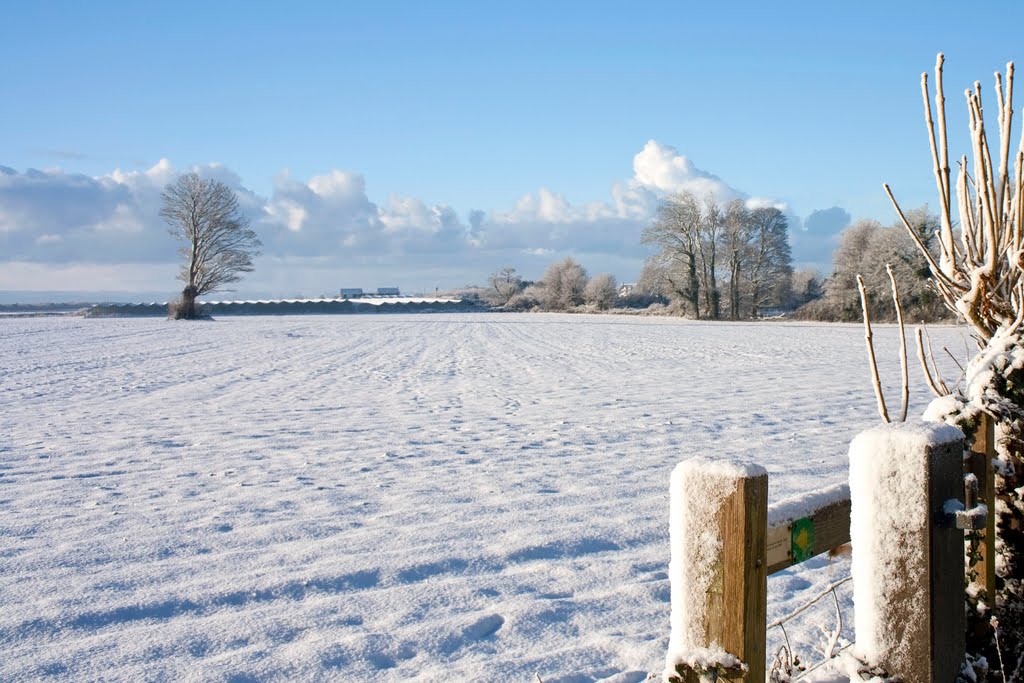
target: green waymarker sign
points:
(802, 539)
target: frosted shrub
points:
(562, 285)
(527, 300)
(979, 274)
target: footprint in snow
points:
(484, 627)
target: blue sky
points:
(413, 115)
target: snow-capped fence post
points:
(718, 571)
(908, 557)
(983, 450)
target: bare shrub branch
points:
(871, 350)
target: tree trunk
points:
(755, 295)
(694, 293)
(734, 289)
(187, 308)
(711, 291)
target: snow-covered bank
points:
(390, 498)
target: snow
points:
(702, 659)
(466, 497)
(806, 504)
(890, 513)
(368, 300)
(1000, 356)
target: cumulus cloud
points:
(818, 237)
(52, 216)
(662, 168)
(329, 223)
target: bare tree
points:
(601, 291)
(711, 227)
(735, 236)
(676, 229)
(505, 283)
(218, 244)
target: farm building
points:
(350, 292)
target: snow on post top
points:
(910, 434)
(724, 469)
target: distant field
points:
(390, 498)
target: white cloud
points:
(93, 277)
(290, 213)
(766, 203)
(123, 219)
(661, 168)
(328, 223)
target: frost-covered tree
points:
(697, 238)
(601, 291)
(807, 286)
(850, 258)
(503, 285)
(676, 230)
(768, 267)
(866, 248)
(735, 238)
(562, 285)
(712, 227)
(218, 244)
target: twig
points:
(831, 587)
(871, 351)
(938, 375)
(789, 648)
(822, 662)
(953, 358)
(924, 364)
(838, 630)
(905, 398)
(999, 648)
(982, 281)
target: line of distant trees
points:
(713, 262)
(734, 261)
(564, 286)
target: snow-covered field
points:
(392, 498)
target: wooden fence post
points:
(979, 463)
(907, 554)
(718, 569)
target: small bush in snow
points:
(602, 291)
(527, 300)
